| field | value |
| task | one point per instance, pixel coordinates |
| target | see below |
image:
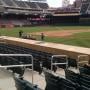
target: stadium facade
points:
(85, 12)
(32, 12)
(22, 12)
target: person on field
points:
(42, 36)
(20, 33)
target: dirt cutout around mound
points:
(62, 33)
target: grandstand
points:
(35, 12)
(45, 55)
(85, 6)
(85, 12)
(38, 65)
(26, 11)
(25, 4)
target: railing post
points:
(83, 61)
(66, 63)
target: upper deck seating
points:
(89, 7)
(32, 5)
(20, 3)
(9, 2)
(43, 5)
(84, 8)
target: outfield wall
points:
(71, 51)
(64, 18)
(85, 19)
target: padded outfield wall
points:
(64, 18)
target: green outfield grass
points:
(79, 39)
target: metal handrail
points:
(53, 56)
(23, 65)
(79, 56)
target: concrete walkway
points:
(7, 81)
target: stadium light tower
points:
(65, 3)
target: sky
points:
(56, 3)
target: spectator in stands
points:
(42, 36)
(20, 33)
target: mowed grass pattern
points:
(78, 39)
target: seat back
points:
(56, 83)
(85, 70)
(72, 76)
(65, 84)
(51, 81)
(22, 84)
(84, 88)
(84, 80)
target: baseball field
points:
(71, 35)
